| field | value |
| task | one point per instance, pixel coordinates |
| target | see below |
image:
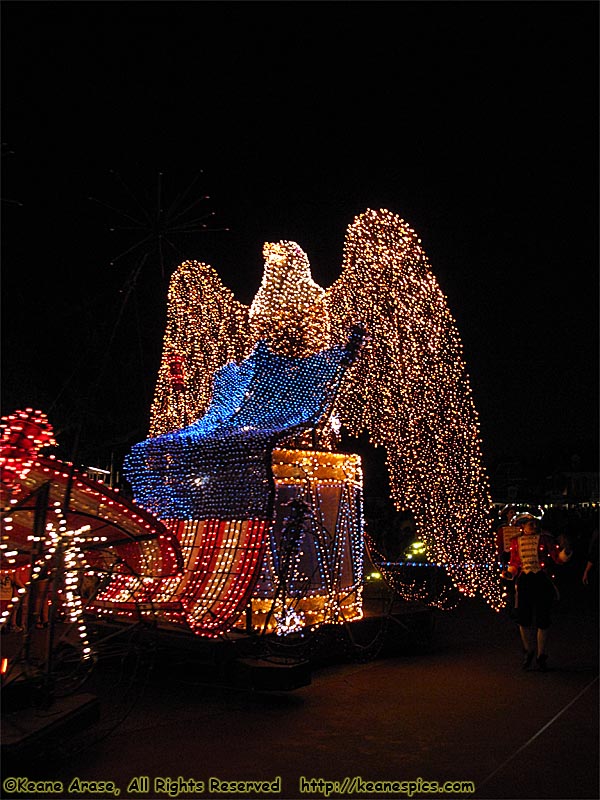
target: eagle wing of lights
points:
(206, 328)
(410, 391)
(408, 388)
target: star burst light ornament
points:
(408, 388)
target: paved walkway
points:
(460, 710)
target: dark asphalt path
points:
(460, 709)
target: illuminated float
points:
(255, 518)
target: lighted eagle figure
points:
(408, 389)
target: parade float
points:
(247, 516)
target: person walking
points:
(532, 553)
(505, 532)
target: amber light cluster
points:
(318, 580)
(409, 388)
(289, 311)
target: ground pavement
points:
(456, 709)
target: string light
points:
(65, 547)
(220, 470)
(408, 389)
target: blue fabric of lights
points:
(220, 466)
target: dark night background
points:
(475, 121)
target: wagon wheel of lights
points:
(151, 233)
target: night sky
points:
(477, 122)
